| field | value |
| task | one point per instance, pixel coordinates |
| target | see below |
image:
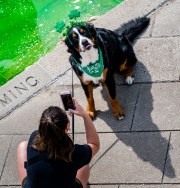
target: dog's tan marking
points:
(74, 35)
(90, 109)
(104, 74)
(92, 39)
(82, 80)
(78, 48)
(81, 31)
(123, 66)
(128, 72)
(116, 108)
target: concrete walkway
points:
(141, 151)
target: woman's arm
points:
(91, 134)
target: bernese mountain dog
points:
(96, 53)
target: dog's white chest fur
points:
(88, 56)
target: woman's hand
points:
(79, 111)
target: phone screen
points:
(67, 101)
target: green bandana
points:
(94, 69)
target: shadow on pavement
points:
(151, 149)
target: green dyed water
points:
(27, 29)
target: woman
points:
(52, 160)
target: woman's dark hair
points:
(52, 136)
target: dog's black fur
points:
(118, 55)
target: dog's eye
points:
(74, 35)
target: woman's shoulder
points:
(82, 155)
(31, 138)
(33, 135)
(81, 150)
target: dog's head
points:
(81, 38)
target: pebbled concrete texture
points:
(167, 19)
(149, 186)
(9, 175)
(5, 142)
(126, 11)
(54, 62)
(145, 152)
(157, 59)
(159, 106)
(141, 151)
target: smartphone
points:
(67, 100)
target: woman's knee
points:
(83, 175)
(22, 146)
(21, 157)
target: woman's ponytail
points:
(52, 135)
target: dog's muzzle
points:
(86, 44)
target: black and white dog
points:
(96, 53)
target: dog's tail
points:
(133, 28)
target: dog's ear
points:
(91, 28)
(69, 45)
(89, 25)
(67, 42)
(71, 49)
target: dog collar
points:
(93, 69)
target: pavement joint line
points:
(44, 69)
(118, 184)
(104, 152)
(153, 82)
(108, 132)
(157, 8)
(153, 18)
(127, 132)
(14, 134)
(6, 157)
(134, 184)
(164, 36)
(167, 151)
(10, 185)
(155, 37)
(134, 111)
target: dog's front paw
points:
(117, 109)
(129, 80)
(119, 115)
(92, 114)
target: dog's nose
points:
(85, 42)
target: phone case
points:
(67, 100)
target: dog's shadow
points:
(147, 142)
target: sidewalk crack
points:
(134, 111)
(157, 8)
(167, 151)
(6, 157)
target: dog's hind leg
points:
(111, 90)
(90, 108)
(128, 75)
(126, 68)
